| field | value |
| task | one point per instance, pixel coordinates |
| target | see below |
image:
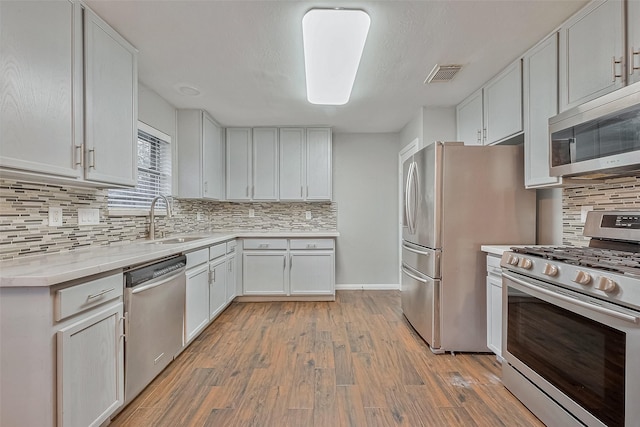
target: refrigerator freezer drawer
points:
(421, 305)
(419, 258)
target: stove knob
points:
(512, 260)
(582, 278)
(525, 263)
(550, 270)
(607, 285)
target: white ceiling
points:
(246, 56)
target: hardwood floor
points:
(352, 362)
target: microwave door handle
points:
(570, 300)
(572, 149)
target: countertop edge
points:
(52, 269)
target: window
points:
(154, 173)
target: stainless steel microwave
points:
(599, 138)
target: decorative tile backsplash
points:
(614, 194)
(24, 218)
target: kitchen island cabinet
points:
(77, 122)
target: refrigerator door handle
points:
(419, 279)
(407, 197)
(414, 199)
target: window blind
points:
(154, 175)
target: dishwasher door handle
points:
(158, 281)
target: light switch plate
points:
(252, 213)
(307, 215)
(87, 216)
(199, 216)
(583, 213)
(55, 217)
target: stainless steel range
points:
(571, 325)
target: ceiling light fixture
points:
(333, 44)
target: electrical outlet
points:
(583, 213)
(88, 216)
(252, 213)
(307, 215)
(199, 216)
(55, 217)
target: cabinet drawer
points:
(197, 257)
(311, 243)
(218, 250)
(231, 246)
(264, 244)
(75, 299)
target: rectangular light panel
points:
(333, 44)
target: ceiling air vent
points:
(442, 73)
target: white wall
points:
(438, 124)
(549, 216)
(365, 189)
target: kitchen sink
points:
(176, 240)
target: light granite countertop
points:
(52, 269)
(500, 249)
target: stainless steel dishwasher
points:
(154, 301)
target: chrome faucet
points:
(152, 216)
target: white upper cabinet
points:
(469, 119)
(318, 168)
(292, 160)
(239, 153)
(592, 53)
(633, 33)
(111, 110)
(39, 88)
(493, 113)
(279, 164)
(502, 101)
(265, 164)
(540, 103)
(200, 156)
(58, 121)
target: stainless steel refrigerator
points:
(457, 198)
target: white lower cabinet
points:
(494, 305)
(263, 272)
(217, 286)
(197, 301)
(232, 277)
(91, 368)
(288, 267)
(311, 272)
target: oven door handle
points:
(602, 310)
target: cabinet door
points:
(217, 288)
(494, 315)
(292, 150)
(265, 164)
(238, 174)
(469, 120)
(503, 104)
(232, 278)
(540, 103)
(263, 272)
(197, 301)
(312, 272)
(318, 164)
(212, 159)
(589, 43)
(40, 87)
(91, 368)
(111, 110)
(633, 32)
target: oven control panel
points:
(621, 221)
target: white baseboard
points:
(368, 287)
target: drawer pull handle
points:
(263, 245)
(101, 293)
(311, 245)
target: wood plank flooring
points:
(352, 362)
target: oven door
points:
(580, 351)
